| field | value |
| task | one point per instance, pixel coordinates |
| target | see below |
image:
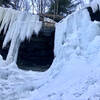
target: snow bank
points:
(74, 73)
(17, 26)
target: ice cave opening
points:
(95, 16)
(37, 53)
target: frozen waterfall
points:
(17, 26)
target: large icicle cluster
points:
(17, 26)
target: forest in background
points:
(56, 7)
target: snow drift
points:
(74, 73)
(17, 26)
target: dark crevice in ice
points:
(94, 16)
(36, 54)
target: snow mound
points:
(74, 73)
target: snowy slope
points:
(74, 73)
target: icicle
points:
(9, 34)
(2, 12)
(6, 19)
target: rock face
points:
(36, 53)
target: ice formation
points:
(17, 26)
(74, 73)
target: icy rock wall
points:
(17, 26)
(75, 32)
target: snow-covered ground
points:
(74, 73)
